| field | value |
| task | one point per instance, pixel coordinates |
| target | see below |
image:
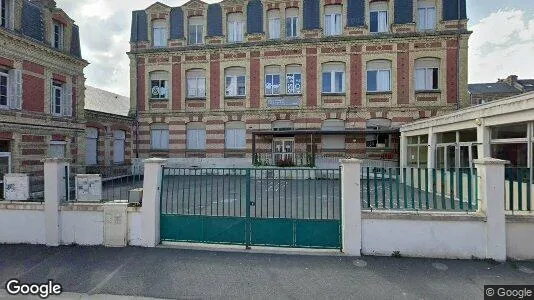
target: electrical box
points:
(135, 196)
(115, 224)
(16, 187)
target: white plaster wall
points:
(134, 228)
(22, 226)
(81, 227)
(519, 243)
(418, 238)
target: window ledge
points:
(195, 98)
(159, 150)
(379, 93)
(158, 99)
(333, 94)
(235, 150)
(283, 95)
(235, 97)
(378, 149)
(428, 92)
(195, 150)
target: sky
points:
(502, 42)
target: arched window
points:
(196, 30)
(235, 135)
(196, 136)
(426, 15)
(159, 136)
(333, 77)
(379, 76)
(333, 21)
(273, 17)
(235, 82)
(292, 22)
(91, 144)
(333, 142)
(159, 33)
(235, 27)
(159, 85)
(426, 74)
(294, 80)
(196, 83)
(379, 16)
(272, 80)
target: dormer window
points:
(196, 31)
(159, 35)
(379, 17)
(333, 20)
(235, 28)
(57, 39)
(426, 14)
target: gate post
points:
(150, 210)
(55, 191)
(492, 198)
(351, 210)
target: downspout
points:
(458, 36)
(136, 108)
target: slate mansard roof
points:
(452, 10)
(106, 102)
(492, 88)
(33, 26)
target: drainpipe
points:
(136, 108)
(458, 36)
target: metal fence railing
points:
(117, 180)
(419, 189)
(273, 193)
(518, 189)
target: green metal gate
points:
(267, 207)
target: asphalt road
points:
(193, 274)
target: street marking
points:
(360, 263)
(440, 266)
(108, 277)
(526, 270)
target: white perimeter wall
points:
(81, 227)
(134, 228)
(519, 239)
(22, 226)
(424, 238)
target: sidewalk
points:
(173, 273)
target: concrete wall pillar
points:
(403, 151)
(492, 195)
(54, 193)
(483, 138)
(150, 211)
(351, 208)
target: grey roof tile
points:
(106, 102)
(492, 88)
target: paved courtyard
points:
(172, 273)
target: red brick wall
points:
(356, 79)
(452, 71)
(215, 84)
(33, 93)
(255, 80)
(141, 84)
(311, 77)
(403, 75)
(176, 86)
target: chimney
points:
(511, 80)
(47, 3)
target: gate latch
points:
(252, 203)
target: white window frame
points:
(159, 33)
(274, 24)
(382, 15)
(269, 86)
(295, 90)
(57, 143)
(380, 85)
(196, 139)
(426, 17)
(91, 155)
(292, 23)
(53, 99)
(232, 89)
(8, 87)
(58, 44)
(428, 79)
(162, 143)
(119, 141)
(236, 29)
(333, 81)
(196, 87)
(195, 25)
(235, 138)
(333, 24)
(162, 78)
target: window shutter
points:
(431, 18)
(67, 100)
(15, 95)
(422, 19)
(52, 100)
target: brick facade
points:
(311, 52)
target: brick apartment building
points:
(480, 93)
(279, 80)
(41, 86)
